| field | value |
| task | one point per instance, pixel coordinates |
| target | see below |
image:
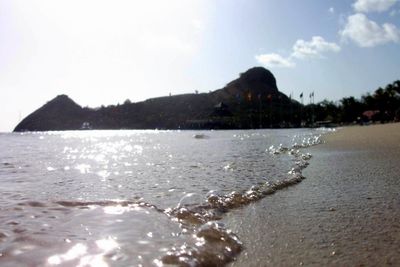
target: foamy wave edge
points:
(212, 243)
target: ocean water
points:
(137, 198)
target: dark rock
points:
(61, 113)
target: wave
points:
(210, 242)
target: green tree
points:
(351, 109)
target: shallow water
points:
(117, 198)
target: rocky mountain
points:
(61, 113)
(251, 101)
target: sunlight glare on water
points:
(113, 198)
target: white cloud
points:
(367, 33)
(373, 5)
(331, 10)
(313, 48)
(274, 60)
(301, 50)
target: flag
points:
(301, 95)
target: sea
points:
(138, 197)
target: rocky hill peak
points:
(259, 76)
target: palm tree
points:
(351, 109)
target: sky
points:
(102, 52)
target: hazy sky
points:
(103, 52)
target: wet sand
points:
(345, 213)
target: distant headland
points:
(250, 101)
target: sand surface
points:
(345, 213)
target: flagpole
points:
(312, 108)
(313, 100)
(301, 109)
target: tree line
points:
(383, 105)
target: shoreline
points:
(345, 213)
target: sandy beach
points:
(345, 213)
